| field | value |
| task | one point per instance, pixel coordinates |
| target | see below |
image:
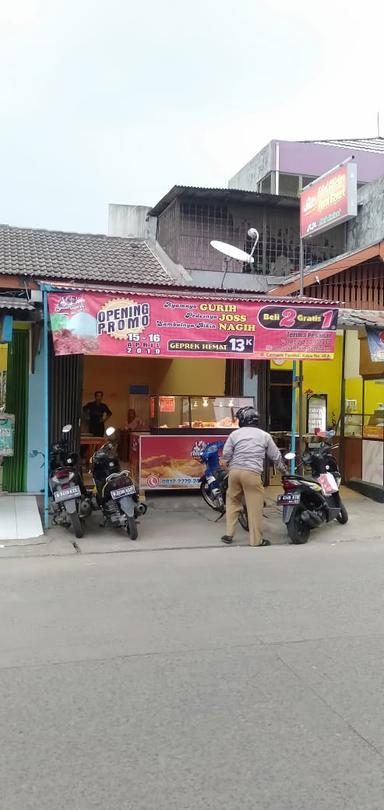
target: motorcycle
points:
(309, 502)
(115, 491)
(214, 482)
(71, 504)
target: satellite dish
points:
(232, 252)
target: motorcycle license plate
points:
(289, 498)
(120, 493)
(66, 494)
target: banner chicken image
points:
(166, 468)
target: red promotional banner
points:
(328, 201)
(149, 326)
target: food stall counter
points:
(167, 457)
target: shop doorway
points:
(66, 381)
(15, 399)
(280, 404)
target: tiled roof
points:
(80, 257)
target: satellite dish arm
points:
(226, 267)
(257, 237)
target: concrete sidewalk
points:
(183, 521)
(19, 518)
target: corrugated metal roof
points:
(7, 302)
(363, 144)
(203, 293)
(224, 195)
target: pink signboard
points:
(172, 462)
(328, 201)
(149, 326)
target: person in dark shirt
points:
(97, 413)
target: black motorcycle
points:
(115, 491)
(310, 502)
(71, 504)
(214, 482)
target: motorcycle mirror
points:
(110, 431)
(290, 456)
(67, 429)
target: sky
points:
(116, 102)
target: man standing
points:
(97, 413)
(244, 452)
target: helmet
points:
(248, 417)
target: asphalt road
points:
(223, 679)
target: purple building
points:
(285, 167)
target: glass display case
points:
(190, 413)
(180, 426)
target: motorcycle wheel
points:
(132, 528)
(243, 519)
(343, 515)
(215, 502)
(77, 525)
(298, 530)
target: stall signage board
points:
(145, 325)
(172, 462)
(317, 414)
(329, 201)
(7, 435)
(167, 404)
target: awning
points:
(15, 303)
(200, 293)
(20, 308)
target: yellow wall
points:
(194, 376)
(114, 376)
(354, 390)
(373, 395)
(357, 354)
(3, 356)
(324, 377)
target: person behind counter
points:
(133, 422)
(97, 413)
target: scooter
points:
(71, 504)
(309, 502)
(115, 491)
(214, 482)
